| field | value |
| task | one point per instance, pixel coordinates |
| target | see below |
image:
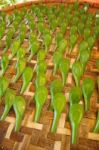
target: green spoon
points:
(4, 83)
(21, 53)
(96, 129)
(84, 57)
(87, 33)
(91, 41)
(40, 98)
(73, 30)
(87, 89)
(80, 28)
(75, 95)
(62, 45)
(20, 66)
(77, 72)
(59, 37)
(72, 42)
(40, 80)
(41, 55)
(9, 99)
(47, 39)
(57, 56)
(64, 68)
(41, 67)
(97, 63)
(34, 47)
(27, 77)
(76, 115)
(14, 48)
(56, 87)
(4, 64)
(19, 108)
(59, 102)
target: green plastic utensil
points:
(59, 102)
(87, 33)
(40, 80)
(84, 57)
(34, 47)
(41, 67)
(64, 68)
(57, 56)
(75, 95)
(41, 55)
(96, 129)
(14, 48)
(40, 98)
(20, 66)
(9, 100)
(27, 77)
(62, 45)
(56, 87)
(4, 64)
(87, 90)
(19, 108)
(4, 83)
(47, 39)
(77, 72)
(76, 115)
(21, 53)
(72, 42)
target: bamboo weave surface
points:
(37, 136)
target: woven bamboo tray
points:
(37, 136)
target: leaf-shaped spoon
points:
(76, 115)
(4, 64)
(41, 55)
(59, 37)
(84, 57)
(27, 76)
(41, 67)
(75, 95)
(20, 66)
(21, 53)
(80, 28)
(57, 56)
(72, 42)
(96, 129)
(64, 68)
(19, 108)
(14, 48)
(77, 71)
(47, 41)
(56, 87)
(4, 83)
(62, 45)
(87, 33)
(40, 80)
(9, 99)
(40, 98)
(87, 89)
(58, 103)
(34, 47)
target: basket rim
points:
(94, 3)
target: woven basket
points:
(37, 136)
